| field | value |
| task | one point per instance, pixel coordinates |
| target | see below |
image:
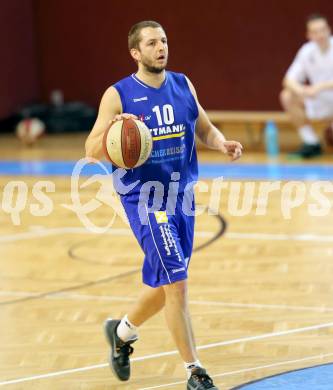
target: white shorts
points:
(320, 107)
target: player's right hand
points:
(120, 117)
(233, 149)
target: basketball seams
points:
(105, 149)
(138, 143)
(130, 143)
(118, 161)
(144, 137)
(115, 147)
(142, 149)
(123, 136)
(104, 143)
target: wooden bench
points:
(250, 126)
(248, 116)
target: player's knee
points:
(176, 290)
(286, 98)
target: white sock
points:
(308, 135)
(190, 366)
(126, 330)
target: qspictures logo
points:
(106, 195)
(239, 198)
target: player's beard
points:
(149, 67)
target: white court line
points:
(280, 237)
(45, 232)
(320, 309)
(87, 297)
(282, 363)
(169, 353)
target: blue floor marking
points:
(45, 168)
(206, 170)
(267, 171)
(313, 378)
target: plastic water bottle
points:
(271, 139)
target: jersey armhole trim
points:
(192, 97)
(121, 98)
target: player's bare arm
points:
(303, 91)
(294, 86)
(210, 135)
(315, 89)
(110, 110)
(109, 107)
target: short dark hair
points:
(315, 16)
(134, 36)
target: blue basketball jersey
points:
(170, 112)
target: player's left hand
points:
(232, 149)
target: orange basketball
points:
(127, 143)
(29, 130)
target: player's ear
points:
(135, 53)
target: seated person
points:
(308, 84)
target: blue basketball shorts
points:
(166, 240)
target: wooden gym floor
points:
(260, 293)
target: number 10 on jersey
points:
(167, 113)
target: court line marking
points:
(169, 353)
(281, 237)
(44, 232)
(87, 297)
(259, 236)
(282, 363)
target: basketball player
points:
(168, 104)
(314, 64)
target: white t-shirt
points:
(315, 66)
(312, 64)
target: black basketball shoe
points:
(120, 351)
(200, 380)
(308, 151)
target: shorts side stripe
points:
(151, 231)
